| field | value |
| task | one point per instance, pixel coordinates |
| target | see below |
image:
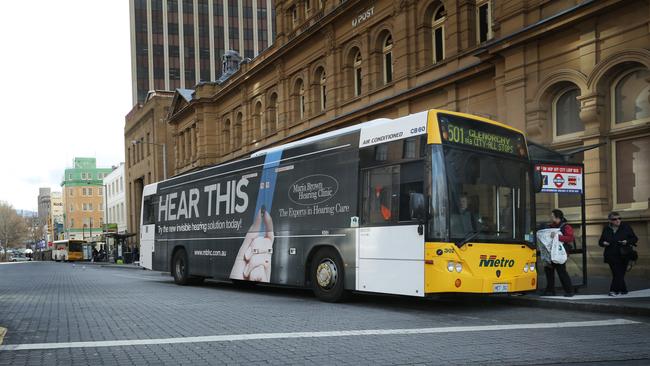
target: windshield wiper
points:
(472, 234)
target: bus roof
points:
(370, 125)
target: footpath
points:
(593, 297)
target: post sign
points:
(560, 178)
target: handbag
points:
(628, 253)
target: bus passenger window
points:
(148, 211)
(411, 181)
(381, 190)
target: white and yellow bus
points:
(68, 250)
(429, 203)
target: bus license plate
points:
(500, 287)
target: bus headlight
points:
(532, 267)
(526, 268)
(459, 267)
(450, 266)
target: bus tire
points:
(327, 276)
(180, 268)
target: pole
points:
(105, 221)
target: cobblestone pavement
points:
(61, 302)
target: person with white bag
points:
(557, 255)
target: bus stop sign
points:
(561, 178)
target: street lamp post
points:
(164, 153)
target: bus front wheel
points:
(327, 276)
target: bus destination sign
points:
(476, 134)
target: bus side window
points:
(411, 181)
(149, 212)
(380, 195)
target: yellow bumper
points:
(484, 268)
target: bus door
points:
(391, 250)
(147, 231)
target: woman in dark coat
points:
(614, 236)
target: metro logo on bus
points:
(492, 261)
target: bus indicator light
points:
(458, 282)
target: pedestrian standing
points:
(567, 238)
(617, 236)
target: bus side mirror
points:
(417, 207)
(538, 181)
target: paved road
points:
(49, 308)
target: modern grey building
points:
(179, 43)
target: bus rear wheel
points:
(327, 276)
(181, 272)
(180, 269)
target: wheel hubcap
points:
(327, 274)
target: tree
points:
(12, 227)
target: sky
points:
(65, 87)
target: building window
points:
(273, 114)
(71, 207)
(357, 74)
(70, 192)
(294, 16)
(632, 172)
(239, 130)
(438, 33)
(71, 222)
(257, 120)
(226, 136)
(100, 191)
(483, 21)
(300, 99)
(566, 113)
(321, 89)
(387, 51)
(631, 97)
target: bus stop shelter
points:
(120, 248)
(562, 186)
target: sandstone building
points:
(569, 73)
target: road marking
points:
(340, 333)
(3, 331)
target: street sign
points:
(561, 178)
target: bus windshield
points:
(74, 247)
(488, 196)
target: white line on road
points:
(340, 333)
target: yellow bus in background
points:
(68, 250)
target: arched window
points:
(226, 136)
(273, 114)
(387, 52)
(357, 73)
(321, 88)
(238, 130)
(631, 97)
(566, 113)
(438, 33)
(257, 120)
(299, 95)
